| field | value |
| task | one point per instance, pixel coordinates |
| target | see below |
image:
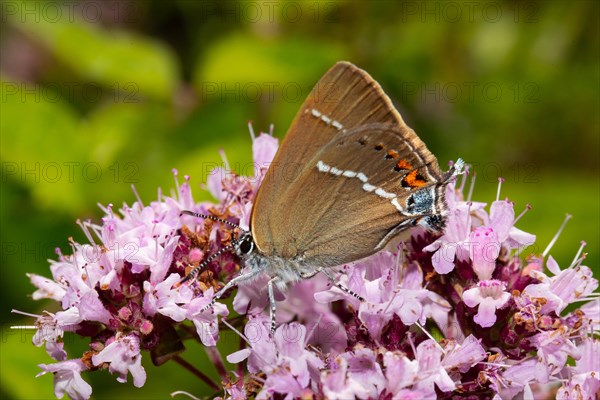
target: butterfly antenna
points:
(455, 170)
(234, 242)
(206, 216)
(194, 272)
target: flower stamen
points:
(556, 236)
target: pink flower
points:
(502, 220)
(121, 291)
(264, 148)
(123, 356)
(47, 288)
(454, 242)
(323, 325)
(554, 347)
(518, 376)
(67, 379)
(165, 300)
(484, 250)
(48, 329)
(400, 372)
(90, 308)
(584, 382)
(431, 371)
(206, 322)
(565, 287)
(356, 374)
(591, 312)
(489, 296)
(464, 356)
(285, 360)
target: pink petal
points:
(458, 224)
(400, 372)
(484, 251)
(290, 339)
(410, 311)
(518, 238)
(552, 265)
(56, 350)
(264, 148)
(472, 297)
(443, 259)
(486, 315)
(434, 246)
(214, 183)
(91, 309)
(67, 379)
(502, 216)
(239, 356)
(466, 355)
(47, 288)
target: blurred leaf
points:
(243, 59)
(40, 145)
(114, 58)
(19, 366)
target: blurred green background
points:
(97, 96)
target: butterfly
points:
(349, 176)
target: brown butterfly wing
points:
(345, 97)
(356, 192)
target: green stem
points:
(196, 372)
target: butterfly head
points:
(244, 245)
(430, 203)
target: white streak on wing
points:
(433, 197)
(331, 122)
(397, 205)
(367, 187)
(323, 167)
(382, 193)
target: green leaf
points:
(40, 145)
(114, 58)
(19, 367)
(245, 59)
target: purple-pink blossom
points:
(466, 312)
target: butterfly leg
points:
(309, 275)
(340, 286)
(235, 281)
(272, 305)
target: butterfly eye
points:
(247, 246)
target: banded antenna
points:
(194, 272)
(206, 216)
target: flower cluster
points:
(467, 313)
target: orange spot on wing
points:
(392, 154)
(414, 179)
(403, 164)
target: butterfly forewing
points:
(345, 98)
